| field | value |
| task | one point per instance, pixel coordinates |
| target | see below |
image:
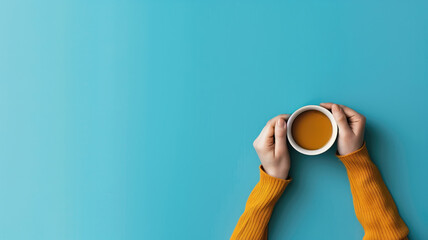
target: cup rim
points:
(330, 141)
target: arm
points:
(254, 221)
(271, 147)
(374, 206)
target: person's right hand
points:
(351, 128)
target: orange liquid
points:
(311, 130)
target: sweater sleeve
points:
(373, 204)
(254, 221)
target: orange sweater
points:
(374, 206)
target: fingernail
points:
(335, 107)
(281, 123)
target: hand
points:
(351, 127)
(271, 147)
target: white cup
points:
(290, 134)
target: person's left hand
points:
(271, 147)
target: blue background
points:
(135, 119)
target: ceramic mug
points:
(290, 133)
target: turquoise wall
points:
(135, 119)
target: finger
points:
(268, 130)
(280, 137)
(340, 118)
(327, 105)
(348, 111)
(266, 135)
(356, 120)
(339, 115)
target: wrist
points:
(350, 149)
(281, 173)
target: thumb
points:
(340, 118)
(280, 137)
